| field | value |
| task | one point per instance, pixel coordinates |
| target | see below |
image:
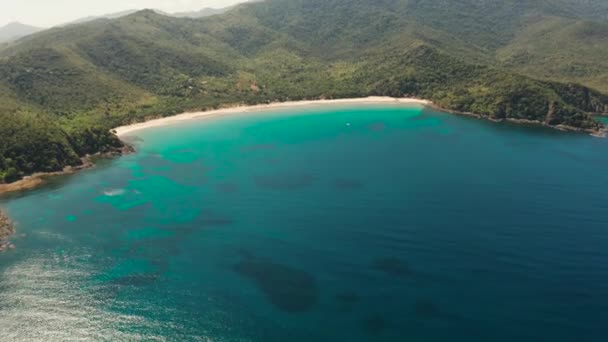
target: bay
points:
(333, 223)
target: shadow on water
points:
(284, 181)
(289, 289)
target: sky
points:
(47, 13)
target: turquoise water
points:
(603, 119)
(330, 224)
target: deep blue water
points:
(328, 224)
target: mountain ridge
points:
(82, 80)
(205, 12)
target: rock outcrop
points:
(7, 228)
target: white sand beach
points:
(128, 129)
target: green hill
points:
(15, 30)
(561, 49)
(61, 90)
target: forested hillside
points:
(61, 90)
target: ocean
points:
(324, 223)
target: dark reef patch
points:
(377, 127)
(136, 280)
(227, 188)
(245, 253)
(187, 174)
(272, 161)
(140, 209)
(399, 268)
(133, 213)
(573, 156)
(393, 266)
(427, 309)
(375, 324)
(347, 300)
(116, 179)
(258, 147)
(183, 151)
(422, 117)
(210, 219)
(284, 182)
(347, 297)
(289, 289)
(153, 161)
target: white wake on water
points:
(114, 192)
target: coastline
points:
(37, 179)
(7, 228)
(239, 109)
(602, 133)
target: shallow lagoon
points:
(332, 224)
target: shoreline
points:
(35, 180)
(602, 133)
(7, 228)
(240, 109)
(125, 130)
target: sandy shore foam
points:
(125, 130)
